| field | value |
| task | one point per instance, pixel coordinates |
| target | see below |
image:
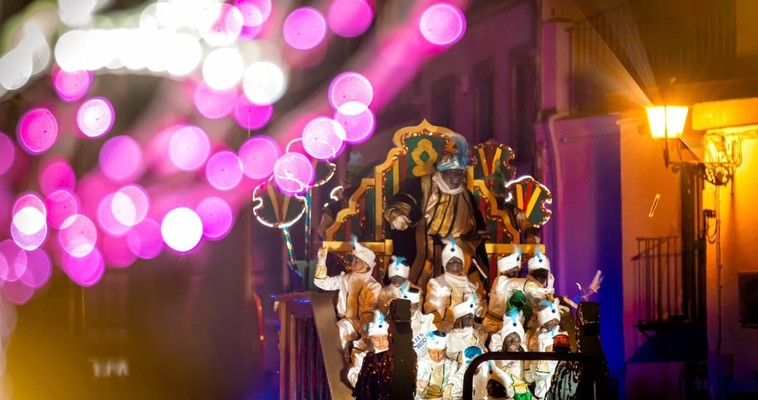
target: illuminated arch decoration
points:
(532, 197)
(275, 209)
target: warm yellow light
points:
(666, 122)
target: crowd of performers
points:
(454, 317)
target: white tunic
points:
(350, 286)
(389, 293)
(461, 338)
(434, 377)
(421, 325)
(447, 291)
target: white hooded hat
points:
(451, 250)
(511, 325)
(363, 253)
(549, 312)
(465, 307)
(511, 261)
(410, 293)
(497, 374)
(379, 326)
(436, 340)
(398, 268)
(539, 261)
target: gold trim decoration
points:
(351, 210)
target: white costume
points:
(390, 292)
(541, 372)
(512, 370)
(357, 296)
(480, 376)
(421, 325)
(459, 339)
(447, 290)
(435, 380)
(379, 326)
(500, 292)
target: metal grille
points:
(659, 280)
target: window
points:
(748, 298)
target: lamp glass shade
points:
(656, 117)
(666, 122)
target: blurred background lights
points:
(38, 269)
(60, 205)
(37, 131)
(120, 159)
(117, 252)
(78, 235)
(106, 218)
(293, 173)
(15, 69)
(264, 83)
(217, 217)
(224, 170)
(350, 93)
(250, 115)
(95, 117)
(304, 28)
(223, 68)
(71, 86)
(323, 138)
(12, 261)
(29, 227)
(358, 127)
(71, 50)
(189, 148)
(130, 205)
(182, 229)
(183, 55)
(220, 24)
(144, 240)
(7, 153)
(56, 174)
(76, 12)
(18, 292)
(87, 270)
(350, 18)
(258, 155)
(214, 104)
(254, 12)
(442, 24)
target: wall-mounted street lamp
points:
(666, 122)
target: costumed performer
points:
(508, 267)
(397, 272)
(435, 373)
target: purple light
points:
(71, 86)
(358, 127)
(95, 117)
(57, 174)
(116, 251)
(13, 261)
(212, 103)
(37, 131)
(17, 292)
(350, 18)
(254, 12)
(216, 216)
(249, 32)
(85, 271)
(60, 205)
(323, 138)
(182, 229)
(78, 236)
(252, 116)
(304, 28)
(144, 240)
(107, 220)
(258, 155)
(29, 227)
(293, 173)
(224, 170)
(443, 24)
(350, 93)
(38, 269)
(221, 24)
(7, 153)
(130, 205)
(189, 148)
(121, 159)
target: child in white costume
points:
(451, 288)
(421, 324)
(358, 291)
(397, 272)
(508, 267)
(465, 332)
(434, 379)
(378, 336)
(511, 339)
(479, 389)
(541, 372)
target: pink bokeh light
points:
(258, 155)
(120, 159)
(18, 292)
(60, 205)
(350, 93)
(130, 205)
(189, 148)
(182, 229)
(29, 227)
(443, 24)
(144, 240)
(85, 271)
(252, 116)
(38, 269)
(212, 103)
(37, 131)
(293, 173)
(13, 261)
(323, 138)
(71, 86)
(7, 153)
(304, 28)
(116, 251)
(358, 127)
(221, 24)
(56, 174)
(105, 218)
(78, 236)
(254, 12)
(224, 170)
(217, 217)
(95, 117)
(350, 18)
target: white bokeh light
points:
(223, 68)
(29, 220)
(182, 229)
(220, 24)
(183, 54)
(15, 69)
(71, 50)
(264, 83)
(76, 12)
